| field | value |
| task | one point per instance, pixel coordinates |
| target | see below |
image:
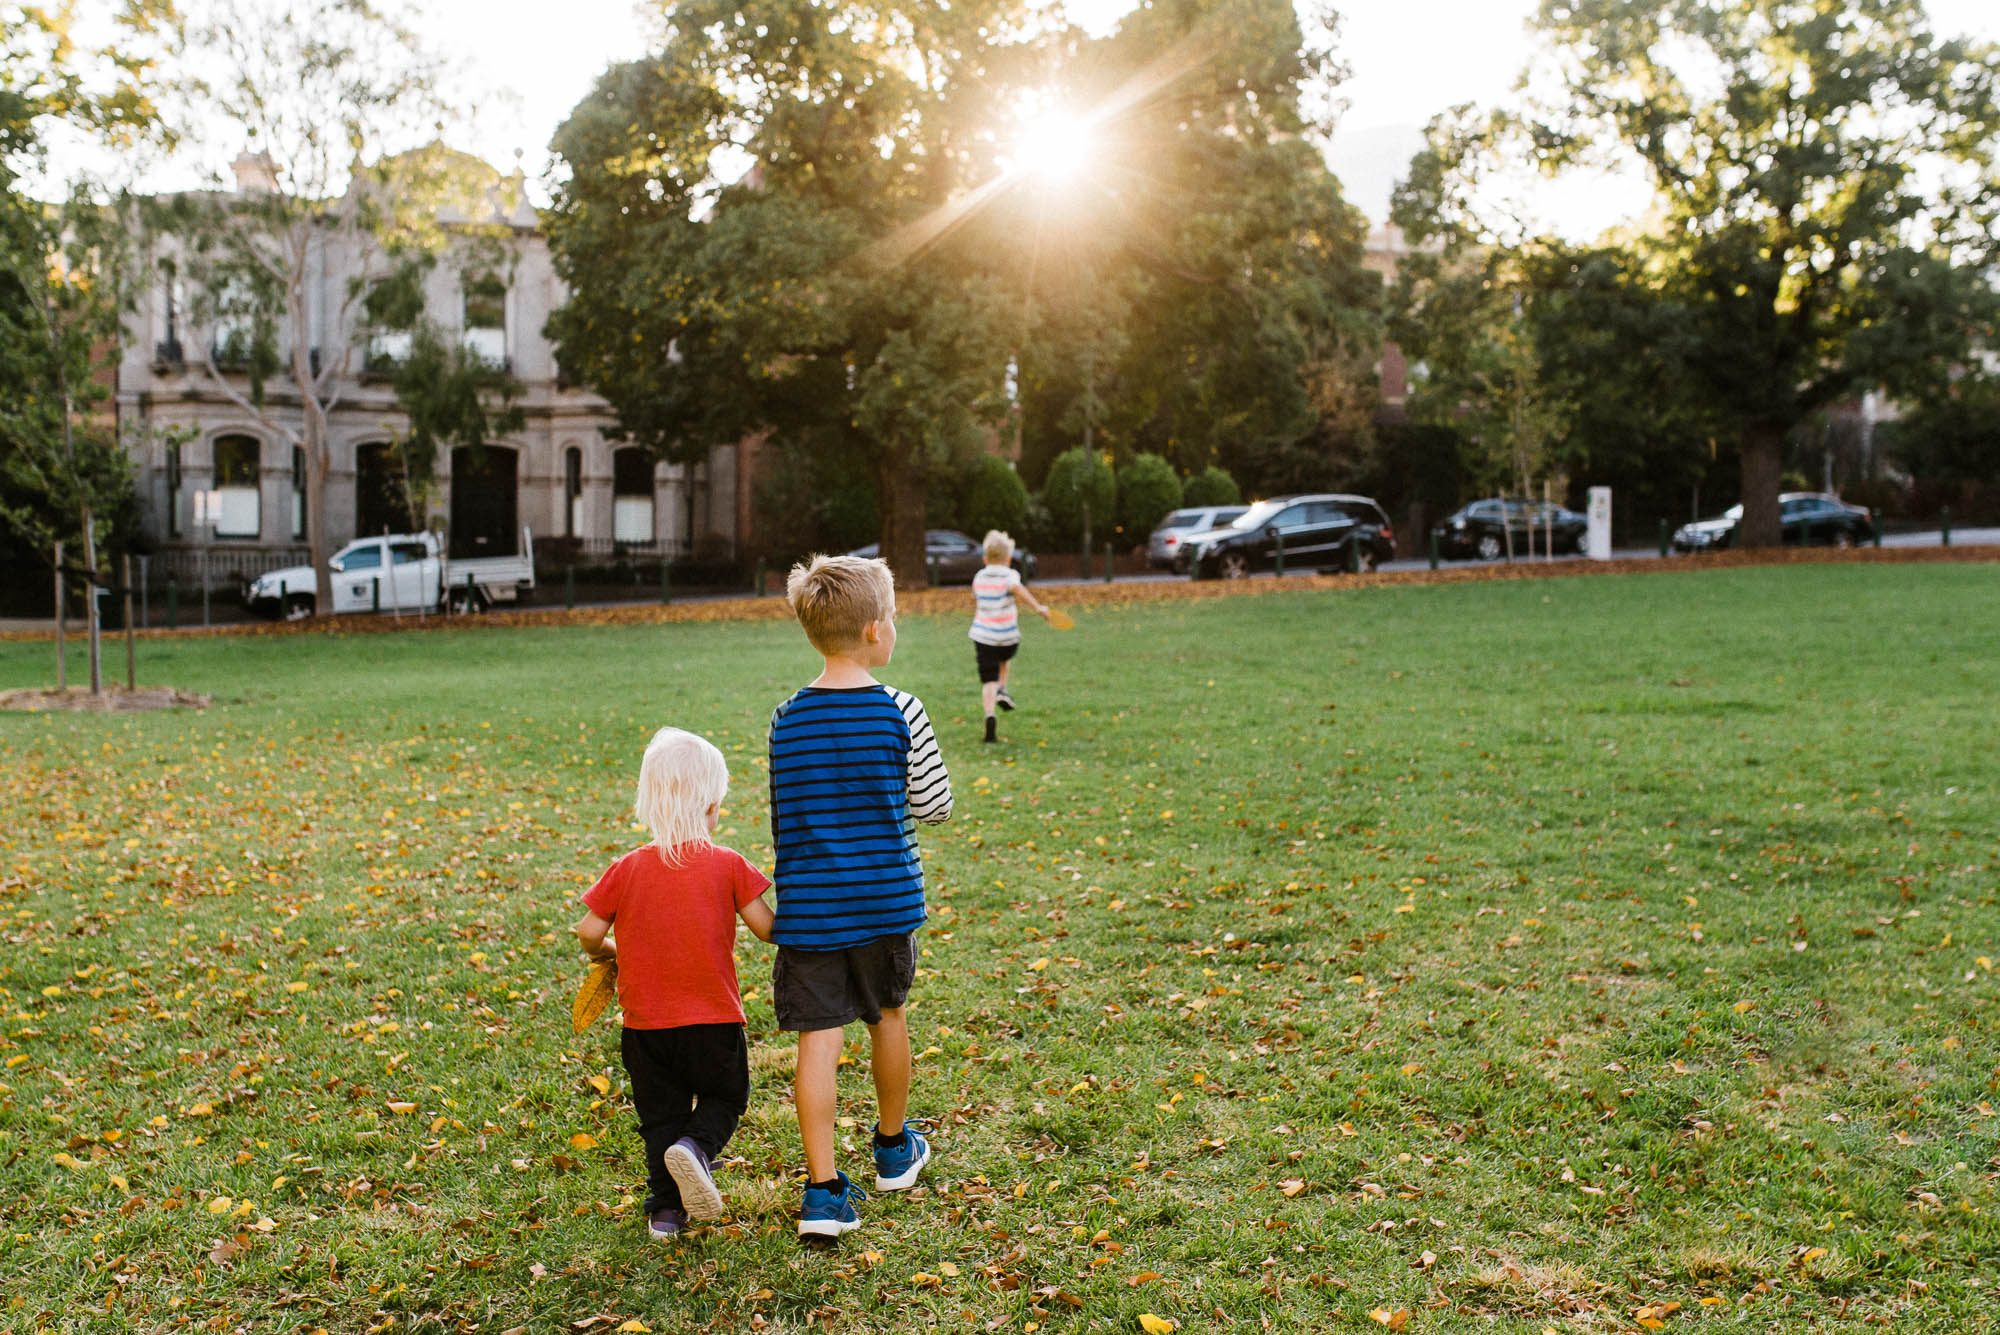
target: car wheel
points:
(462, 601)
(1233, 565)
(1489, 547)
(1365, 563)
(1843, 537)
(298, 607)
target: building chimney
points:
(256, 173)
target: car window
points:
(1226, 516)
(1361, 512)
(1484, 510)
(361, 558)
(407, 553)
(1321, 513)
(1793, 509)
(1181, 519)
(1289, 517)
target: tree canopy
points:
(1824, 214)
(822, 221)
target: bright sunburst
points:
(1055, 146)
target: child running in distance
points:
(996, 624)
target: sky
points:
(527, 63)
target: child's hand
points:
(604, 954)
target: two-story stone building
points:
(219, 491)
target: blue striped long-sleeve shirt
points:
(851, 771)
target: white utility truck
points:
(399, 573)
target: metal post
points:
(1665, 537)
(1278, 554)
(1875, 529)
(1434, 549)
(1944, 524)
(131, 654)
(468, 593)
(95, 609)
(1107, 561)
(62, 625)
(569, 585)
(146, 592)
(666, 579)
(1354, 552)
(173, 603)
(376, 594)
(760, 577)
(204, 586)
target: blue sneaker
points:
(667, 1224)
(828, 1214)
(897, 1166)
(689, 1167)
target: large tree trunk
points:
(1763, 457)
(901, 487)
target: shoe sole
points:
(663, 1237)
(698, 1194)
(908, 1177)
(826, 1228)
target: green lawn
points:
(1516, 956)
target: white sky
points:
(528, 63)
(1410, 60)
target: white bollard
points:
(1597, 538)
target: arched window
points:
(486, 318)
(572, 492)
(631, 496)
(238, 513)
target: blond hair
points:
(681, 777)
(997, 547)
(835, 596)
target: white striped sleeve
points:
(929, 783)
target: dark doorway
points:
(381, 498)
(483, 495)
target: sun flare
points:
(1054, 146)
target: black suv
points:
(1325, 531)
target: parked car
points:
(1811, 518)
(397, 572)
(1320, 532)
(1481, 528)
(955, 557)
(1163, 547)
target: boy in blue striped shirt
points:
(853, 764)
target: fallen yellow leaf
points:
(583, 1140)
(600, 1084)
(1154, 1325)
(1395, 1320)
(635, 1327)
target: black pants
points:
(692, 1081)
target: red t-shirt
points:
(676, 933)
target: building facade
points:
(223, 495)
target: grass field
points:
(1588, 954)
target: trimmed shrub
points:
(994, 497)
(1211, 486)
(1079, 480)
(1147, 491)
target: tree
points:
(994, 497)
(1824, 189)
(1211, 486)
(63, 286)
(816, 296)
(339, 104)
(1147, 490)
(1080, 494)
(892, 271)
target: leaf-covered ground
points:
(1574, 955)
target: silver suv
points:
(1163, 548)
